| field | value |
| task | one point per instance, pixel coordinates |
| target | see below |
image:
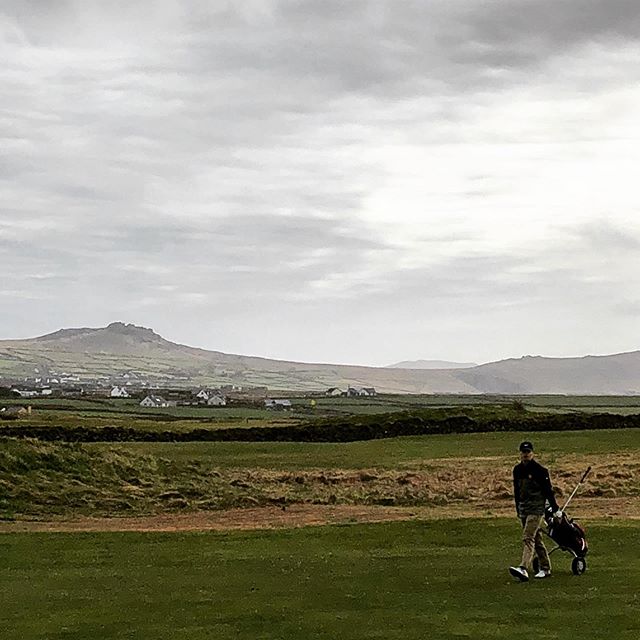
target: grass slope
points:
(40, 479)
(394, 581)
(184, 367)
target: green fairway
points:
(385, 453)
(440, 579)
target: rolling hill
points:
(118, 349)
(617, 374)
(139, 353)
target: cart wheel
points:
(535, 565)
(578, 566)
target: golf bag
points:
(569, 536)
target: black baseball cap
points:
(526, 446)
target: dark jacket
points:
(531, 489)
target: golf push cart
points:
(567, 534)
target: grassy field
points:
(344, 415)
(386, 453)
(130, 408)
(346, 406)
(431, 579)
(554, 403)
(440, 579)
(99, 413)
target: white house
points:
(333, 391)
(26, 393)
(278, 405)
(119, 392)
(203, 394)
(155, 401)
(216, 400)
(360, 391)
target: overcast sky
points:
(324, 180)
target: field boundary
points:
(390, 425)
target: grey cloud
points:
(278, 234)
(154, 114)
(550, 275)
(560, 24)
(629, 308)
(253, 255)
(606, 236)
(464, 281)
(240, 257)
(395, 49)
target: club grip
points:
(586, 473)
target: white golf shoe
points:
(520, 573)
(542, 574)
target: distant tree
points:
(518, 405)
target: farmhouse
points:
(360, 391)
(216, 400)
(119, 392)
(333, 391)
(156, 401)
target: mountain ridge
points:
(431, 364)
(105, 352)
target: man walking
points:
(531, 489)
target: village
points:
(159, 397)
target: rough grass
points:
(52, 479)
(438, 580)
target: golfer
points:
(531, 490)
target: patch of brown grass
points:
(304, 515)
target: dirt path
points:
(303, 515)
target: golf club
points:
(584, 476)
